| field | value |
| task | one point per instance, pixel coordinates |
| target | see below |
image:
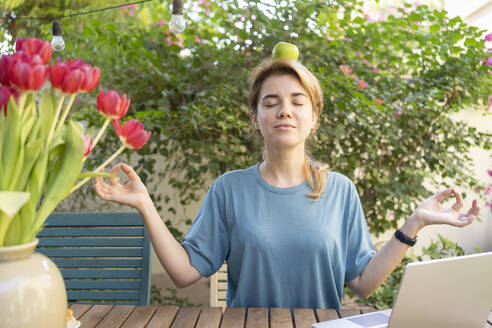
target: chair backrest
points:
(103, 257)
(218, 287)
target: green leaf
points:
(12, 201)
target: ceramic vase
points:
(32, 290)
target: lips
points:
(284, 126)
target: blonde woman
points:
(292, 232)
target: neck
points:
(283, 168)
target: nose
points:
(284, 111)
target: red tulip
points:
(132, 134)
(33, 46)
(92, 76)
(111, 105)
(87, 145)
(5, 94)
(67, 76)
(4, 70)
(27, 72)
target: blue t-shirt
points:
(282, 248)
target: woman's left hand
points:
(431, 211)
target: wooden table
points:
(109, 316)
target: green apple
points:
(285, 50)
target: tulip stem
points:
(55, 118)
(81, 183)
(65, 113)
(100, 133)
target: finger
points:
(129, 171)
(459, 201)
(99, 180)
(114, 171)
(440, 196)
(474, 209)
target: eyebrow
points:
(296, 94)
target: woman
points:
(291, 232)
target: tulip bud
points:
(111, 105)
(132, 134)
(67, 76)
(87, 145)
(26, 72)
(33, 46)
(5, 94)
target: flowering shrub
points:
(393, 138)
(42, 153)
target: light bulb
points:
(57, 43)
(177, 24)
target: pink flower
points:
(379, 100)
(345, 38)
(132, 134)
(489, 172)
(417, 23)
(33, 46)
(489, 61)
(375, 70)
(26, 72)
(111, 105)
(207, 10)
(488, 37)
(489, 102)
(362, 84)
(197, 39)
(87, 145)
(347, 70)
(364, 61)
(5, 94)
(398, 113)
(79, 27)
(161, 23)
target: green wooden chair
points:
(103, 257)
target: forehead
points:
(281, 84)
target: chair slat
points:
(94, 219)
(100, 274)
(102, 284)
(97, 263)
(86, 241)
(103, 295)
(91, 232)
(91, 252)
(95, 251)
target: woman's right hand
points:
(133, 193)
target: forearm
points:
(171, 254)
(384, 261)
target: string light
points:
(177, 24)
(57, 43)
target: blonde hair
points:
(314, 171)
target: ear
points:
(252, 116)
(315, 116)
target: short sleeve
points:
(360, 248)
(207, 241)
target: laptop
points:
(443, 293)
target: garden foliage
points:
(390, 87)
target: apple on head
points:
(285, 50)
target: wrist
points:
(144, 203)
(412, 226)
